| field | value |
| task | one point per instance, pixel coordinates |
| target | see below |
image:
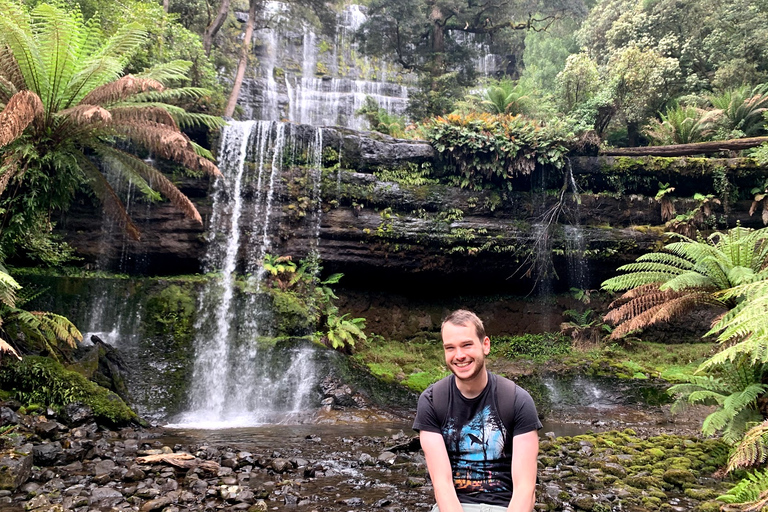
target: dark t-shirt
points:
(478, 446)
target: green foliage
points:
(739, 112)
(409, 175)
(680, 124)
(59, 71)
(538, 347)
(749, 491)
(344, 332)
(41, 380)
(686, 275)
(733, 388)
(506, 97)
(488, 151)
(380, 120)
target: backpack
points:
(505, 399)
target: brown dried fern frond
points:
(141, 114)
(19, 112)
(86, 114)
(167, 143)
(5, 348)
(159, 182)
(9, 169)
(663, 312)
(120, 89)
(112, 204)
(635, 292)
(751, 450)
(639, 304)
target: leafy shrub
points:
(540, 347)
(40, 380)
(488, 150)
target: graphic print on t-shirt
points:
(475, 449)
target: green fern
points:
(687, 274)
(734, 388)
(749, 490)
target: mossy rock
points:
(37, 379)
(643, 482)
(292, 315)
(651, 502)
(679, 476)
(708, 506)
(700, 493)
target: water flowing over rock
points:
(236, 382)
(308, 77)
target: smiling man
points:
(478, 430)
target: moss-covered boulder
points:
(42, 380)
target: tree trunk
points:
(696, 148)
(166, 4)
(213, 28)
(244, 51)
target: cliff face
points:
(369, 211)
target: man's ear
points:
(486, 345)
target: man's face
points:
(464, 351)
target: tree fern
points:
(51, 53)
(752, 450)
(685, 275)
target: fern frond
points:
(8, 289)
(166, 143)
(106, 194)
(752, 450)
(156, 180)
(142, 114)
(749, 489)
(120, 89)
(633, 280)
(177, 93)
(7, 349)
(19, 112)
(173, 70)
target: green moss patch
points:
(39, 380)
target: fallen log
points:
(180, 460)
(696, 148)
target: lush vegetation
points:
(727, 270)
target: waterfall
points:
(331, 80)
(237, 381)
(575, 244)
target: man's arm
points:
(525, 450)
(439, 467)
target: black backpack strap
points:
(441, 392)
(505, 401)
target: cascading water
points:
(333, 82)
(236, 381)
(575, 244)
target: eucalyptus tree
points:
(433, 37)
(66, 103)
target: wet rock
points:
(8, 417)
(15, 469)
(76, 413)
(47, 454)
(353, 502)
(387, 457)
(281, 465)
(105, 496)
(47, 429)
(158, 503)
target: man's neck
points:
(473, 388)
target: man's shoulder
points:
(443, 383)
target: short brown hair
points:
(466, 318)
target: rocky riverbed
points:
(68, 462)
